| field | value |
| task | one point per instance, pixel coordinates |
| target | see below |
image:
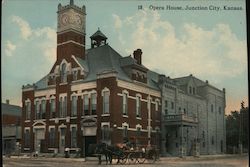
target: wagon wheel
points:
(141, 157)
(132, 158)
(151, 156)
(123, 159)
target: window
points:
(125, 104)
(52, 137)
(105, 102)
(27, 138)
(156, 105)
(138, 134)
(190, 89)
(172, 105)
(219, 110)
(212, 107)
(63, 107)
(203, 134)
(166, 111)
(52, 108)
(93, 104)
(176, 134)
(74, 106)
(63, 73)
(85, 105)
(105, 133)
(43, 108)
(212, 140)
(193, 90)
(75, 75)
(28, 109)
(73, 137)
(176, 145)
(138, 106)
(166, 104)
(37, 108)
(204, 144)
(125, 132)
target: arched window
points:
(63, 73)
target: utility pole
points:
(240, 129)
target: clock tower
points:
(70, 31)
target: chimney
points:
(137, 56)
(7, 101)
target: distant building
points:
(11, 127)
(193, 117)
(96, 95)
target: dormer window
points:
(75, 73)
(194, 90)
(63, 73)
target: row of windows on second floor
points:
(88, 105)
(171, 107)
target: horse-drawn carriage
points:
(127, 153)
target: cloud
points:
(215, 54)
(9, 48)
(117, 20)
(24, 27)
(43, 39)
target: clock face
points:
(65, 19)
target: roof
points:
(8, 109)
(185, 80)
(97, 34)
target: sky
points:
(211, 45)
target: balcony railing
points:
(180, 119)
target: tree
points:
(237, 129)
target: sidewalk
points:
(203, 157)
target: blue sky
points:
(211, 45)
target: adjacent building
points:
(96, 95)
(11, 128)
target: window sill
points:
(138, 118)
(125, 116)
(36, 120)
(26, 148)
(105, 115)
(64, 83)
(27, 121)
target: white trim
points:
(51, 97)
(80, 66)
(70, 41)
(105, 123)
(62, 95)
(105, 90)
(139, 118)
(27, 120)
(125, 116)
(125, 124)
(27, 101)
(26, 148)
(138, 88)
(138, 95)
(83, 86)
(138, 126)
(73, 94)
(105, 115)
(39, 121)
(73, 126)
(26, 128)
(62, 126)
(52, 127)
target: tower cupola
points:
(98, 39)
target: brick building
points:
(96, 95)
(90, 95)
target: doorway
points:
(89, 140)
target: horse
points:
(108, 151)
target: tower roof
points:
(98, 34)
